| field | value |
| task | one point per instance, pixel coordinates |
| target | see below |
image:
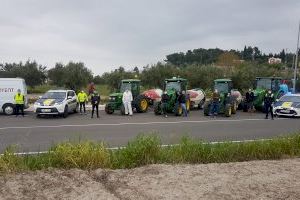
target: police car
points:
(288, 105)
(56, 102)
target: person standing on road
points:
(82, 99)
(268, 102)
(215, 103)
(19, 103)
(182, 103)
(127, 101)
(164, 103)
(250, 100)
(95, 99)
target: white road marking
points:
(164, 145)
(129, 123)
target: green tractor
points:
(228, 105)
(173, 86)
(140, 102)
(262, 85)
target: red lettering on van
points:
(6, 89)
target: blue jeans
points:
(214, 108)
(184, 110)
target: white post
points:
(296, 61)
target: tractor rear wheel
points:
(178, 110)
(227, 110)
(157, 108)
(141, 104)
(234, 107)
(122, 109)
(206, 108)
(108, 109)
(188, 105)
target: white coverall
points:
(127, 99)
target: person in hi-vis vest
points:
(19, 102)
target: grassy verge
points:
(148, 150)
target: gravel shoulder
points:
(278, 179)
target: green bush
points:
(147, 149)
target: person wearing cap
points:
(19, 102)
(82, 99)
(127, 101)
(95, 99)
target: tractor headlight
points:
(112, 98)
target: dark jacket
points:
(249, 96)
(95, 99)
(269, 99)
(165, 98)
(215, 97)
(182, 98)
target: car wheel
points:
(66, 112)
(8, 109)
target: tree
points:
(228, 59)
(57, 74)
(33, 73)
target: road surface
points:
(38, 134)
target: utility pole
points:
(296, 61)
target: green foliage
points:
(40, 89)
(142, 151)
(73, 75)
(146, 150)
(33, 73)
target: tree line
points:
(199, 66)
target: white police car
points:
(288, 105)
(56, 102)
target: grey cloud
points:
(107, 34)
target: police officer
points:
(19, 100)
(95, 103)
(82, 99)
(268, 101)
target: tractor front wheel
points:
(234, 107)
(157, 108)
(206, 108)
(228, 110)
(178, 110)
(108, 109)
(141, 104)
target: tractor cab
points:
(223, 86)
(176, 84)
(131, 84)
(268, 83)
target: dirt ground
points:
(246, 180)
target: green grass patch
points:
(147, 149)
(40, 89)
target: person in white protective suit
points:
(127, 100)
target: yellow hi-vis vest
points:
(82, 97)
(19, 99)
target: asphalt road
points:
(38, 134)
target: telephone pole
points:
(296, 61)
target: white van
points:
(8, 90)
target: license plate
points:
(285, 111)
(46, 110)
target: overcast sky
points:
(112, 33)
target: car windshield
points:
(222, 87)
(290, 98)
(54, 95)
(125, 86)
(173, 85)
